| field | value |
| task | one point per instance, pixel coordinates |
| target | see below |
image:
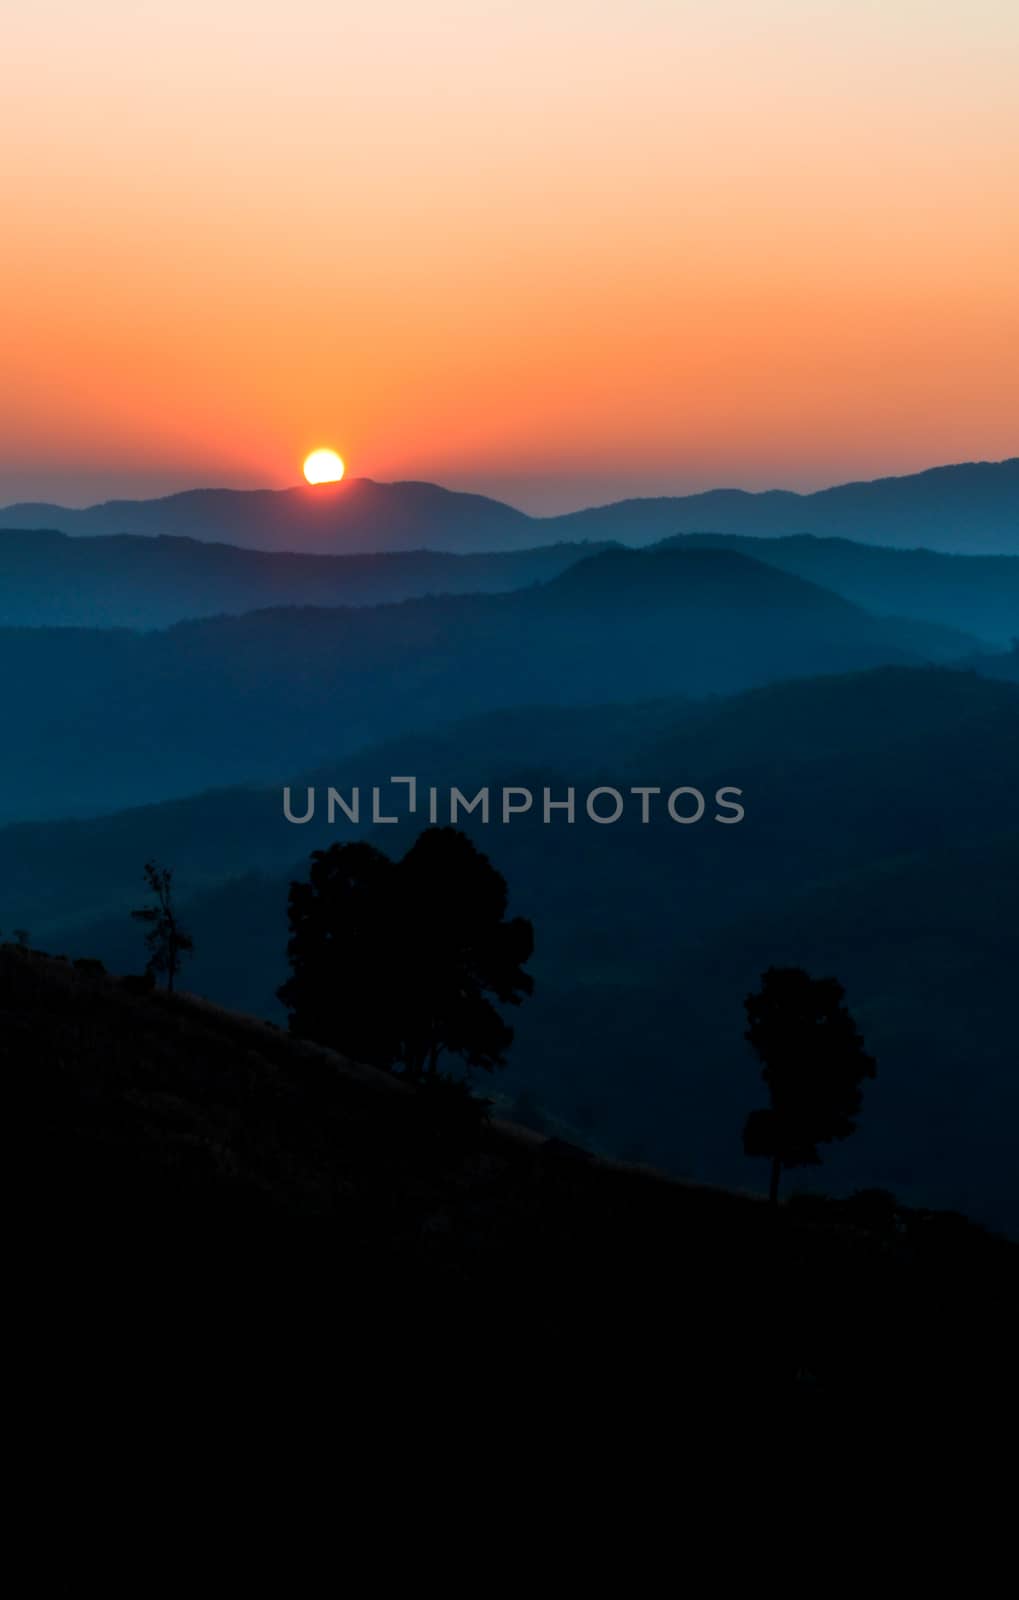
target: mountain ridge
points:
(53, 579)
(209, 702)
(966, 505)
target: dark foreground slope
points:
(155, 1110)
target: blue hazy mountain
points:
(856, 856)
(52, 580)
(358, 515)
(975, 593)
(104, 719)
(972, 508)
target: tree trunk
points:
(776, 1174)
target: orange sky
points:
(557, 251)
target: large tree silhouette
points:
(814, 1066)
(397, 962)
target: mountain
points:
(105, 719)
(358, 515)
(979, 594)
(128, 581)
(52, 580)
(149, 1111)
(972, 508)
(855, 857)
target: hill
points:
(153, 1110)
(978, 594)
(52, 580)
(972, 508)
(258, 697)
(856, 856)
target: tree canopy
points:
(396, 962)
(814, 1064)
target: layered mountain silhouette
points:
(53, 580)
(971, 508)
(357, 515)
(161, 686)
(979, 594)
(111, 718)
(877, 844)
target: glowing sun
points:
(323, 466)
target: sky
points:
(559, 251)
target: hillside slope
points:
(877, 845)
(151, 1109)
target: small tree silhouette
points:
(167, 941)
(814, 1066)
(395, 962)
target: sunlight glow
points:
(323, 466)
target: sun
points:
(323, 466)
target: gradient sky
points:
(555, 250)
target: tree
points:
(814, 1066)
(167, 941)
(396, 962)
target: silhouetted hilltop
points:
(666, 577)
(972, 508)
(357, 515)
(177, 1111)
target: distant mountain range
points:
(971, 508)
(112, 718)
(121, 580)
(128, 581)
